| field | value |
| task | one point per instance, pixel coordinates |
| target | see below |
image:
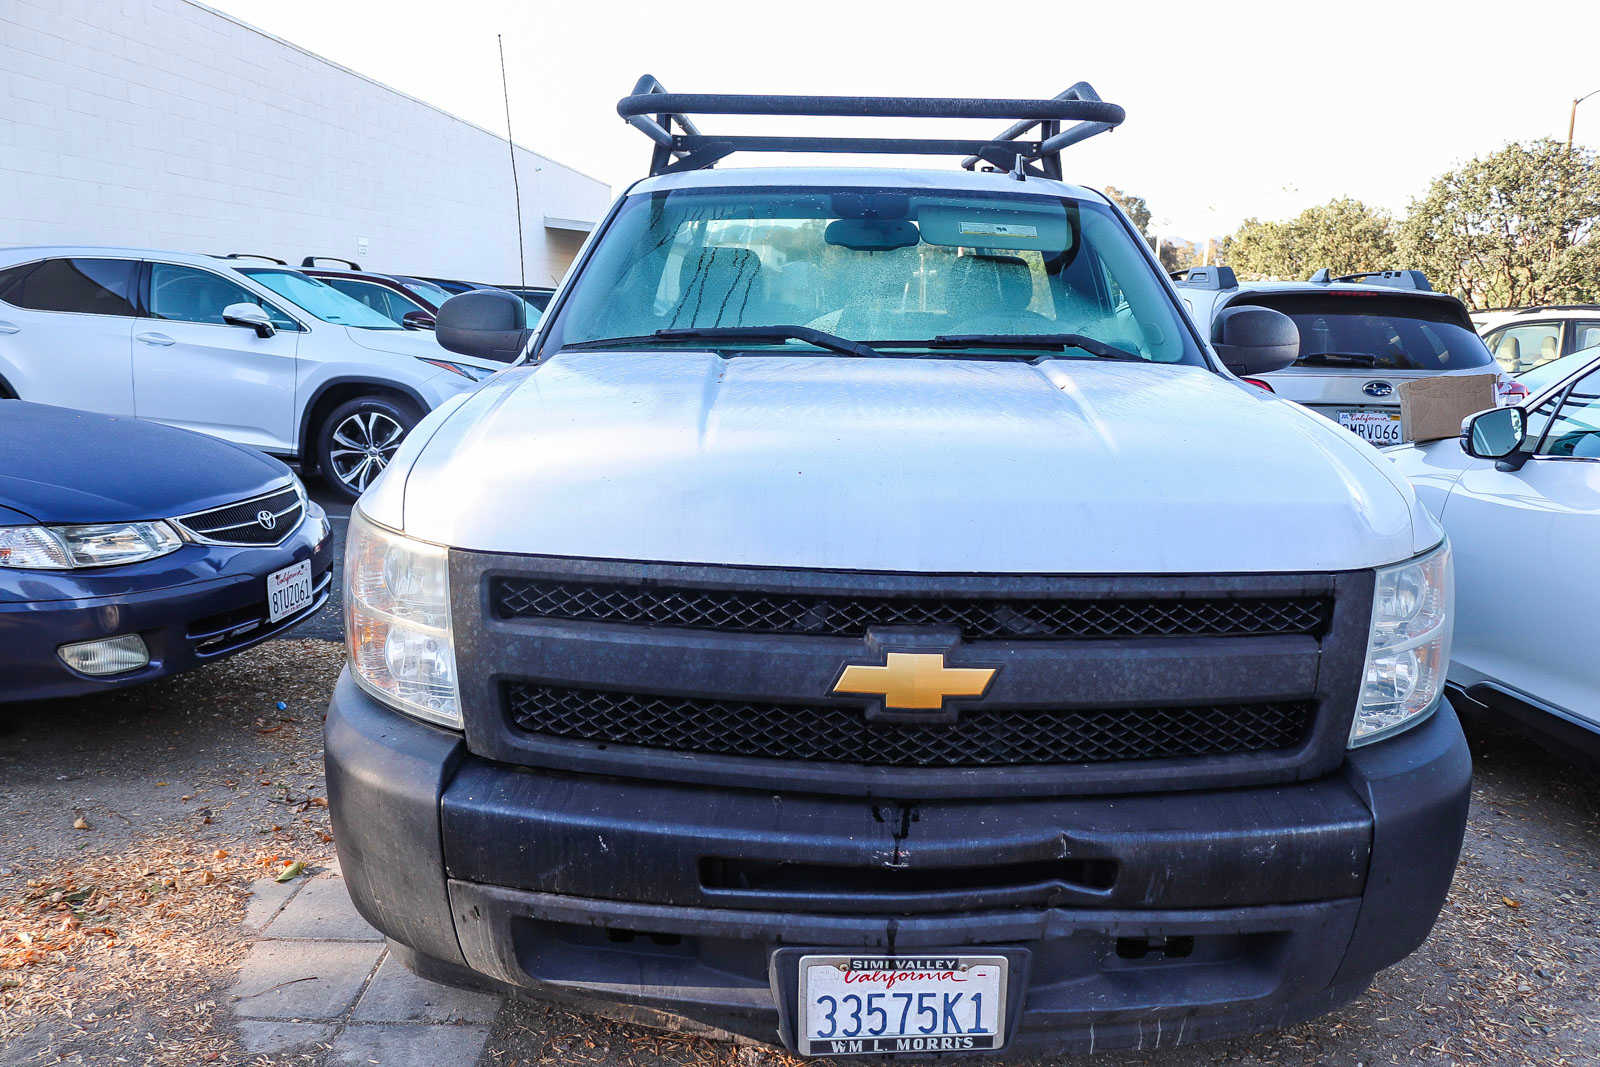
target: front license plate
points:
(288, 590)
(1378, 427)
(860, 1005)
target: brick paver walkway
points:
(318, 974)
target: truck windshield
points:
(1378, 331)
(907, 270)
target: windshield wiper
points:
(1336, 359)
(1098, 349)
(820, 338)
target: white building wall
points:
(164, 124)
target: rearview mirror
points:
(417, 320)
(251, 316)
(1498, 434)
(871, 235)
(487, 323)
(1255, 340)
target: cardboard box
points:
(1432, 408)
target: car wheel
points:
(359, 438)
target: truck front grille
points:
(851, 615)
(980, 737)
(727, 675)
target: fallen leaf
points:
(291, 872)
(220, 854)
(80, 823)
(1508, 902)
(320, 802)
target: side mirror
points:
(252, 316)
(417, 320)
(1497, 434)
(487, 323)
(1255, 340)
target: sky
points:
(1234, 109)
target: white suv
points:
(1361, 335)
(264, 356)
(1529, 338)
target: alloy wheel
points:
(363, 444)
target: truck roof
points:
(878, 177)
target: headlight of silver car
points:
(59, 548)
(1408, 653)
(397, 621)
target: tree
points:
(1134, 207)
(1343, 235)
(1178, 254)
(1511, 229)
(1174, 252)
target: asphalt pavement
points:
(328, 624)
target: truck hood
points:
(939, 465)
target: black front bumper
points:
(1137, 920)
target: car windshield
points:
(426, 290)
(897, 268)
(1378, 331)
(319, 299)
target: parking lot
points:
(841, 555)
(144, 828)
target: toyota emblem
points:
(1376, 389)
(267, 519)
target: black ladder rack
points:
(655, 112)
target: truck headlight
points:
(59, 548)
(1408, 653)
(397, 621)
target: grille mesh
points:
(849, 615)
(237, 524)
(979, 738)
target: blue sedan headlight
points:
(58, 548)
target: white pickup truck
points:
(875, 619)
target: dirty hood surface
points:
(966, 466)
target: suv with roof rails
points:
(1361, 335)
(857, 626)
(1526, 339)
(254, 353)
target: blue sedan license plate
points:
(860, 1005)
(288, 591)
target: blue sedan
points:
(130, 551)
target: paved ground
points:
(318, 976)
(328, 624)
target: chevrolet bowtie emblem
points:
(914, 681)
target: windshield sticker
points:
(998, 229)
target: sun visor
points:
(967, 227)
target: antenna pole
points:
(516, 188)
